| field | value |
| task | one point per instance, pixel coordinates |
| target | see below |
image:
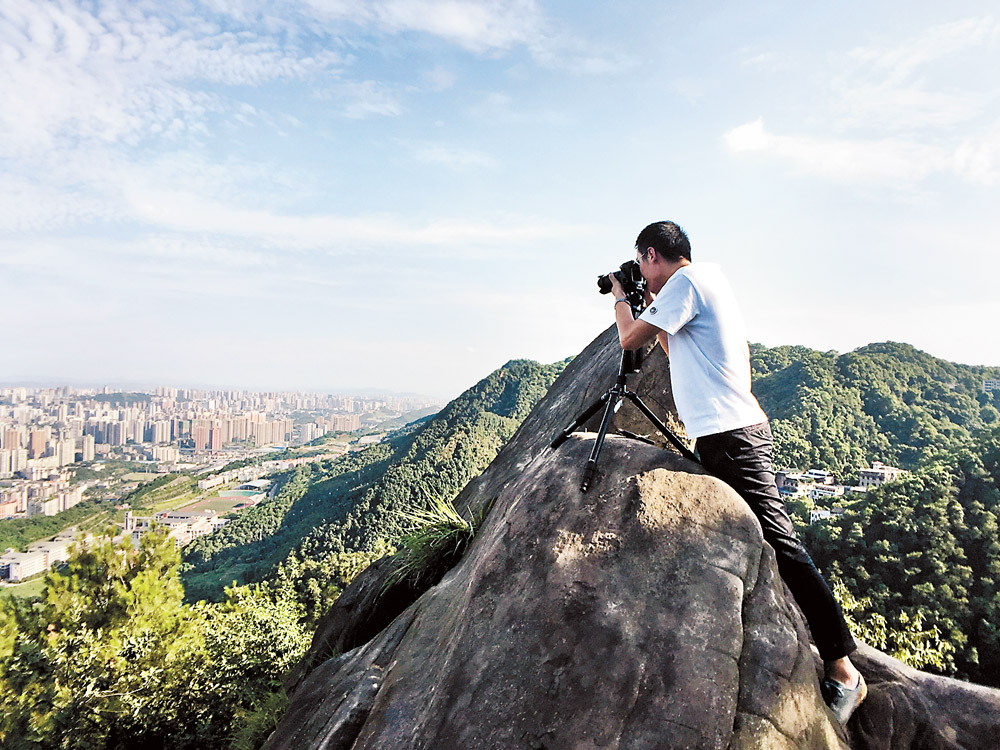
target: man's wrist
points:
(621, 299)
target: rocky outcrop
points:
(645, 614)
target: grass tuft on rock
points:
(437, 539)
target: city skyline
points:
(399, 196)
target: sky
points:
(405, 194)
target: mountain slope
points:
(353, 503)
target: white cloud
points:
(32, 205)
(898, 62)
(977, 159)
(115, 74)
(479, 26)
(452, 156)
(439, 78)
(188, 212)
(476, 26)
(893, 87)
(365, 98)
(887, 161)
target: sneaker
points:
(843, 700)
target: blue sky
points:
(405, 194)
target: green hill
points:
(920, 557)
(888, 402)
(352, 504)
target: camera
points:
(633, 285)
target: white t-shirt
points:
(709, 356)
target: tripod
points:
(612, 400)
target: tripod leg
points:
(658, 424)
(614, 399)
(579, 421)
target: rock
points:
(647, 613)
(644, 614)
(911, 710)
(363, 609)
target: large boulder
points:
(366, 607)
(644, 614)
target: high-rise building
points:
(88, 447)
(215, 439)
(38, 442)
(200, 434)
(66, 452)
(161, 432)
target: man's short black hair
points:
(667, 239)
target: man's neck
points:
(670, 268)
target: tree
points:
(112, 658)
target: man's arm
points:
(662, 338)
(633, 334)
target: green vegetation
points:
(356, 502)
(28, 590)
(437, 540)
(925, 549)
(165, 490)
(109, 655)
(916, 562)
(20, 532)
(905, 638)
(111, 658)
(887, 402)
(315, 583)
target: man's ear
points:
(650, 254)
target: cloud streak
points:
(891, 122)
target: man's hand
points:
(632, 334)
(616, 286)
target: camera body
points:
(633, 284)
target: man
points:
(696, 320)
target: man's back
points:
(709, 358)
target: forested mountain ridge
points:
(919, 555)
(886, 401)
(352, 504)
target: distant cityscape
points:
(48, 434)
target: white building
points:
(879, 474)
(824, 491)
(820, 514)
(21, 565)
(819, 476)
(55, 551)
(43, 507)
(88, 447)
(165, 454)
(66, 452)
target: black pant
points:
(742, 459)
